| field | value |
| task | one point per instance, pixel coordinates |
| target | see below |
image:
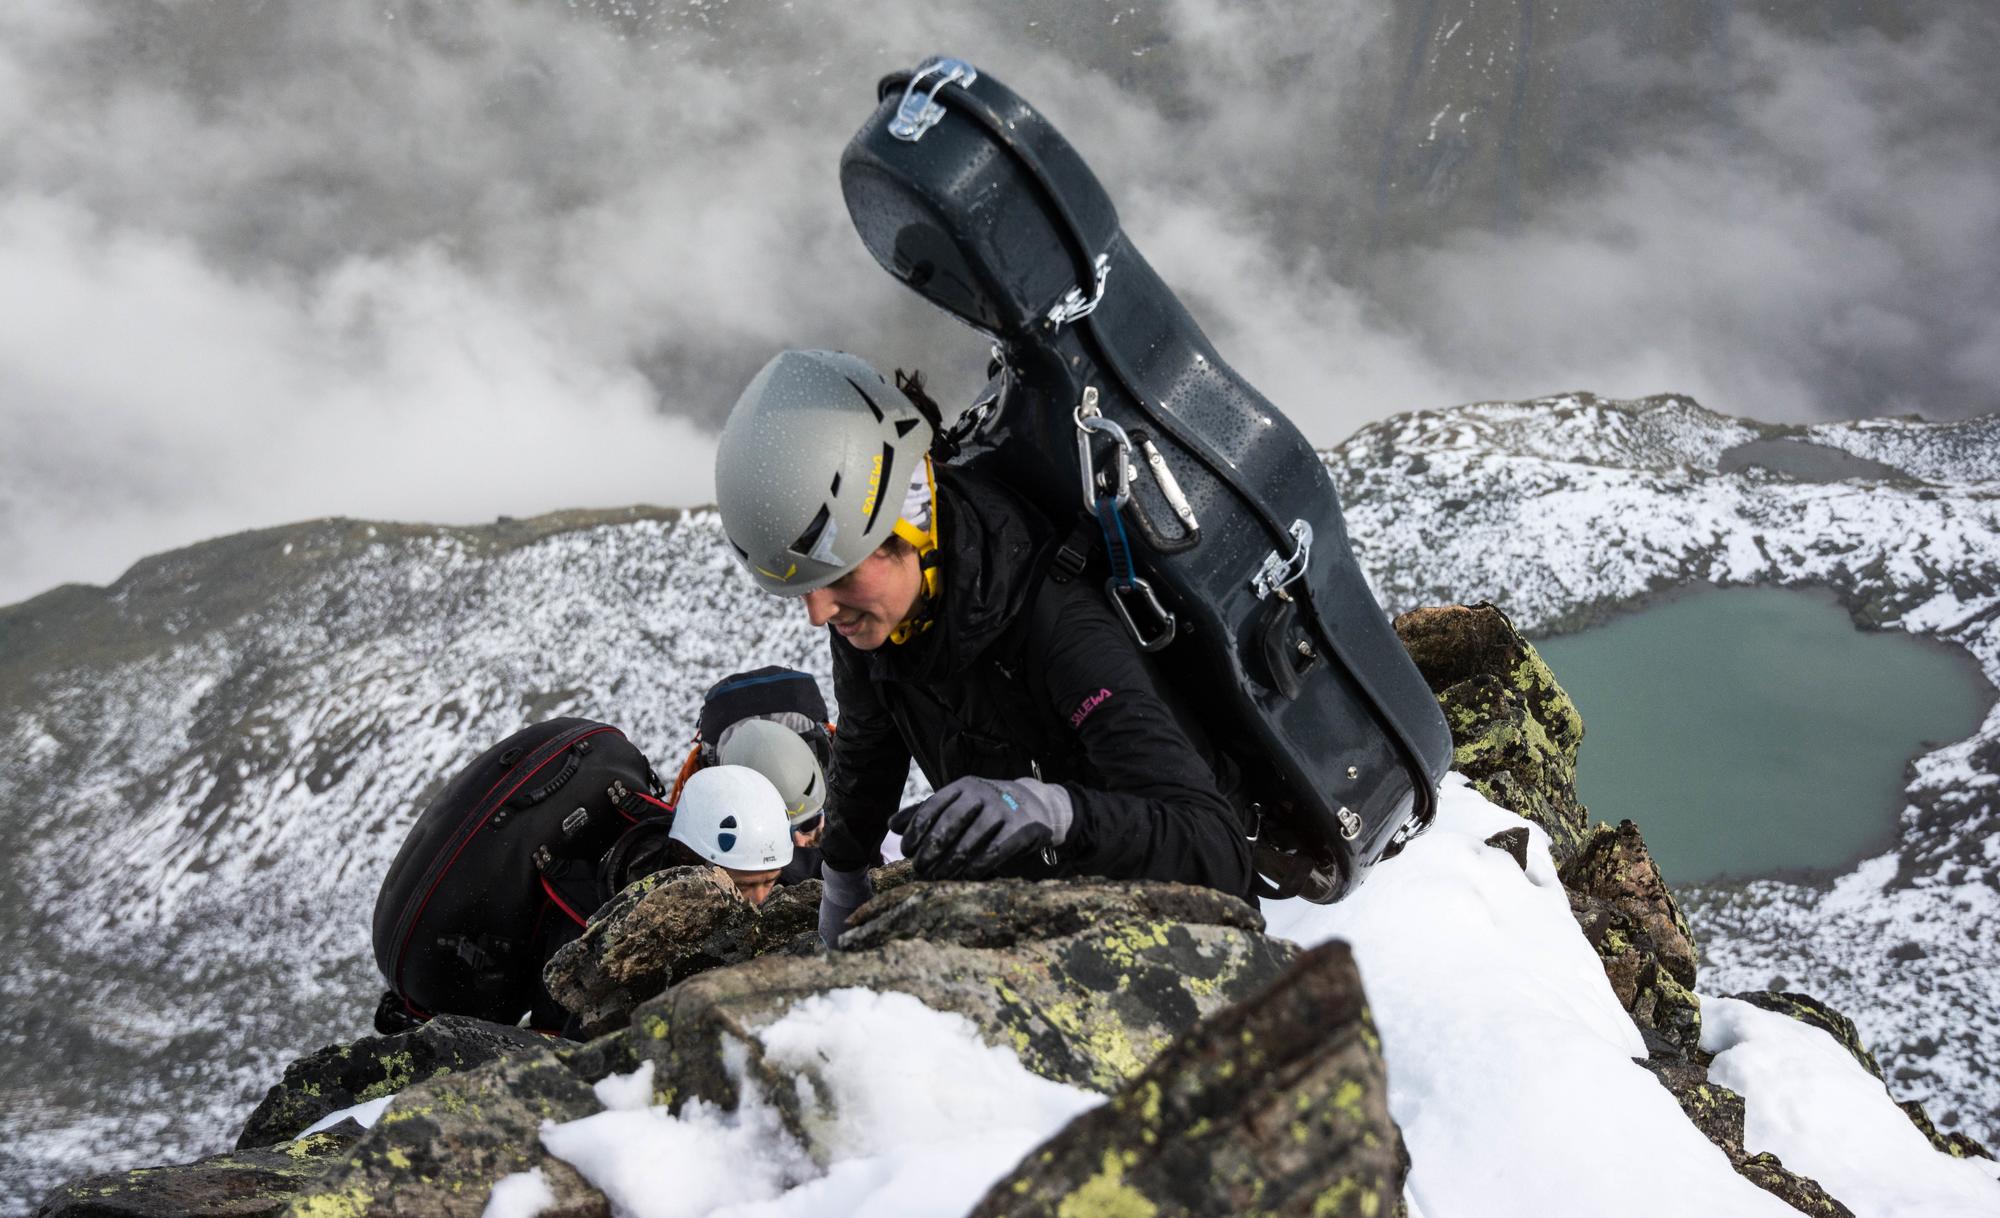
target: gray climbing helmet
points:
(812, 468)
(779, 754)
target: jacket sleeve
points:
(870, 765)
(1150, 808)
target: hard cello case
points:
(1245, 586)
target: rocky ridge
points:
(1241, 1073)
(249, 725)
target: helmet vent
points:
(877, 410)
(905, 427)
(810, 538)
(834, 490)
(888, 463)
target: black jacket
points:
(1021, 675)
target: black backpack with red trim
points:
(505, 866)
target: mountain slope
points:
(1564, 509)
(216, 757)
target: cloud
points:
(259, 262)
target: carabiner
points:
(1151, 604)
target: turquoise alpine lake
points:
(1750, 731)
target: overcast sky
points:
(264, 261)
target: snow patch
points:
(914, 1116)
(364, 1114)
(1510, 1060)
(521, 1195)
(1809, 1102)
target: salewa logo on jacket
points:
(1089, 704)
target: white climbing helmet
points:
(732, 816)
(779, 754)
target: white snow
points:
(627, 1092)
(1809, 1102)
(365, 1114)
(919, 1118)
(1510, 1072)
(1510, 1060)
(521, 1195)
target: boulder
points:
(340, 1076)
(255, 1183)
(1277, 1105)
(1514, 731)
(664, 928)
(1085, 980)
(1637, 929)
(442, 1146)
(1514, 842)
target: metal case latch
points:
(919, 111)
(1279, 570)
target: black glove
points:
(975, 827)
(840, 894)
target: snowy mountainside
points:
(217, 757)
(1564, 509)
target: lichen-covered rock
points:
(1089, 999)
(968, 914)
(1718, 1113)
(257, 1183)
(596, 1060)
(1514, 731)
(440, 1148)
(1957, 1145)
(1278, 1105)
(1802, 1193)
(663, 929)
(1636, 927)
(340, 1076)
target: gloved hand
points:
(974, 827)
(840, 894)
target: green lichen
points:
(1106, 1195)
(1149, 1103)
(312, 1146)
(349, 1203)
(1347, 1098)
(1347, 1196)
(1104, 1039)
(1123, 943)
(1202, 987)
(397, 1158)
(655, 1027)
(1366, 1030)
(398, 1114)
(397, 1070)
